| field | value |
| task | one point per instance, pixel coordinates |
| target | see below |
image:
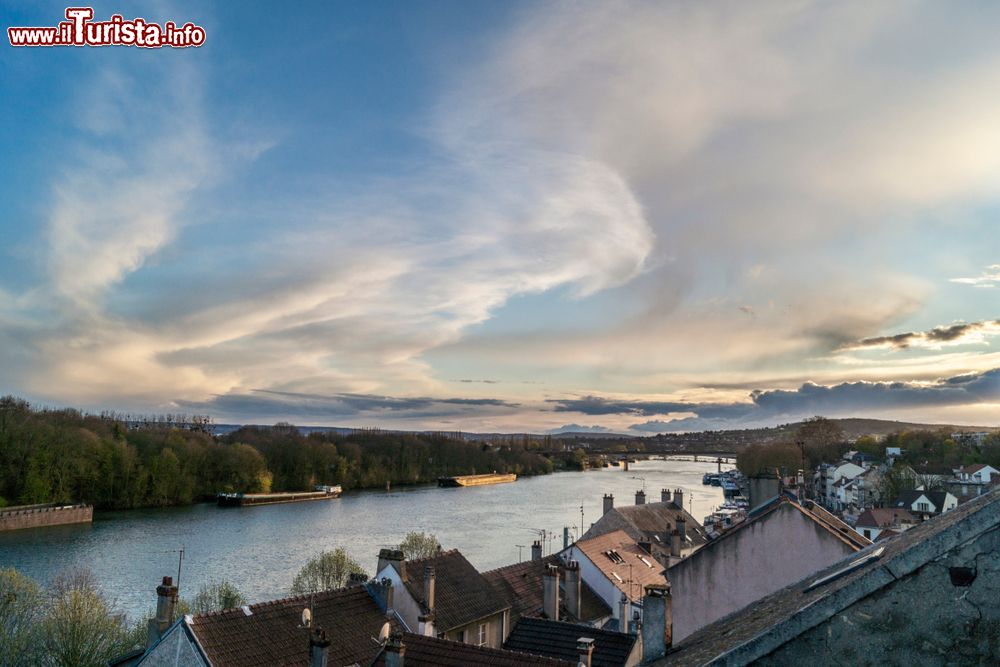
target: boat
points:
(321, 492)
(710, 478)
(477, 480)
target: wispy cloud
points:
(989, 278)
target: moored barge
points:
(244, 499)
(477, 480)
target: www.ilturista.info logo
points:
(81, 30)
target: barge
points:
(37, 516)
(244, 499)
(477, 480)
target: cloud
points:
(954, 334)
(989, 278)
(577, 428)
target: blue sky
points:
(508, 216)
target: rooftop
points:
(651, 522)
(423, 651)
(629, 567)
(884, 517)
(559, 640)
(462, 595)
(520, 585)
(767, 624)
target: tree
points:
(21, 612)
(330, 569)
(419, 545)
(216, 597)
(80, 629)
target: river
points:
(261, 548)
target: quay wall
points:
(17, 518)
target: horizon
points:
(522, 218)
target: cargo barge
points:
(245, 499)
(38, 516)
(477, 480)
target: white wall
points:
(595, 578)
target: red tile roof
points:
(884, 517)
(623, 562)
(271, 636)
(520, 585)
(461, 596)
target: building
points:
(927, 597)
(560, 640)
(884, 521)
(653, 524)
(925, 504)
(618, 570)
(410, 650)
(445, 596)
(980, 473)
(754, 560)
(342, 625)
(522, 587)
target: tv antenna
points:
(641, 479)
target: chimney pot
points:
(664, 495)
(679, 498)
(395, 650)
(166, 596)
(550, 592)
(609, 502)
(536, 550)
(574, 589)
(319, 648)
(640, 497)
(675, 543)
(430, 580)
(657, 622)
(585, 647)
(682, 528)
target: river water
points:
(261, 548)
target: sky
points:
(506, 217)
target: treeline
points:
(68, 456)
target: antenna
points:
(383, 634)
(519, 547)
(641, 479)
(581, 521)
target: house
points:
(754, 559)
(521, 586)
(561, 640)
(618, 570)
(411, 650)
(926, 597)
(979, 473)
(653, 524)
(925, 504)
(827, 478)
(342, 625)
(876, 521)
(445, 596)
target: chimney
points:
(394, 650)
(573, 589)
(536, 550)
(675, 543)
(623, 613)
(430, 579)
(664, 495)
(166, 595)
(381, 592)
(682, 529)
(679, 498)
(550, 592)
(609, 503)
(319, 648)
(640, 497)
(565, 537)
(392, 557)
(635, 624)
(356, 579)
(657, 622)
(585, 647)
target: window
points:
(923, 507)
(868, 533)
(482, 634)
(461, 636)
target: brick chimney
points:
(536, 550)
(657, 622)
(319, 648)
(585, 647)
(394, 650)
(640, 497)
(609, 503)
(679, 498)
(392, 557)
(550, 592)
(166, 596)
(573, 588)
(664, 495)
(425, 621)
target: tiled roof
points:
(559, 640)
(651, 522)
(763, 626)
(906, 498)
(423, 651)
(462, 595)
(884, 517)
(272, 636)
(520, 585)
(810, 510)
(625, 565)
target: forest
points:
(114, 462)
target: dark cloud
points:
(578, 428)
(295, 405)
(770, 406)
(943, 334)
